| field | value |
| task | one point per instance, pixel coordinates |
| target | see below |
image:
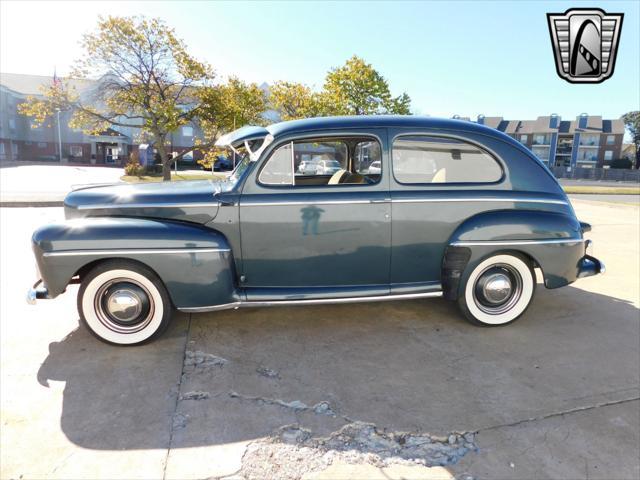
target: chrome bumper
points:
(37, 293)
(590, 265)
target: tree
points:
(632, 122)
(146, 80)
(294, 100)
(356, 88)
(226, 107)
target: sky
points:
(453, 58)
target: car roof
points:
(370, 121)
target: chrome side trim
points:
(312, 202)
(311, 301)
(107, 206)
(480, 199)
(407, 200)
(517, 242)
(135, 251)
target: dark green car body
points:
(240, 242)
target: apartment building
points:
(56, 141)
(588, 141)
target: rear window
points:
(426, 159)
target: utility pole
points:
(59, 136)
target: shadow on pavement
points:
(403, 366)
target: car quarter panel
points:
(195, 263)
(425, 216)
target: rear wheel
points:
(123, 303)
(498, 290)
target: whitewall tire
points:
(123, 303)
(498, 290)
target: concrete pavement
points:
(357, 391)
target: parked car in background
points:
(457, 210)
(375, 167)
(327, 167)
(223, 164)
(308, 167)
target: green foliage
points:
(147, 81)
(133, 168)
(621, 163)
(632, 122)
(356, 88)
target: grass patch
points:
(175, 177)
(635, 190)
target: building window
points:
(611, 139)
(589, 140)
(12, 124)
(2, 151)
(42, 145)
(75, 151)
(14, 150)
(541, 152)
(524, 138)
(540, 139)
(423, 159)
(187, 131)
(608, 155)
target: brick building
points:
(588, 141)
(20, 142)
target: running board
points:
(310, 301)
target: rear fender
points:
(552, 240)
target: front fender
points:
(553, 240)
(194, 262)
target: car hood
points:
(191, 201)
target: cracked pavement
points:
(386, 390)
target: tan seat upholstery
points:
(440, 176)
(336, 177)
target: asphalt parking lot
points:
(381, 390)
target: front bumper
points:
(36, 293)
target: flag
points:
(57, 83)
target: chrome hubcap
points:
(497, 289)
(124, 306)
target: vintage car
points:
(457, 210)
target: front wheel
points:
(123, 303)
(498, 290)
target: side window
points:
(320, 157)
(423, 159)
(324, 161)
(367, 158)
(278, 170)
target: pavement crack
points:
(177, 420)
(557, 414)
(321, 408)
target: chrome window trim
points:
(312, 301)
(134, 251)
(517, 242)
(105, 206)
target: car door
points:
(300, 234)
